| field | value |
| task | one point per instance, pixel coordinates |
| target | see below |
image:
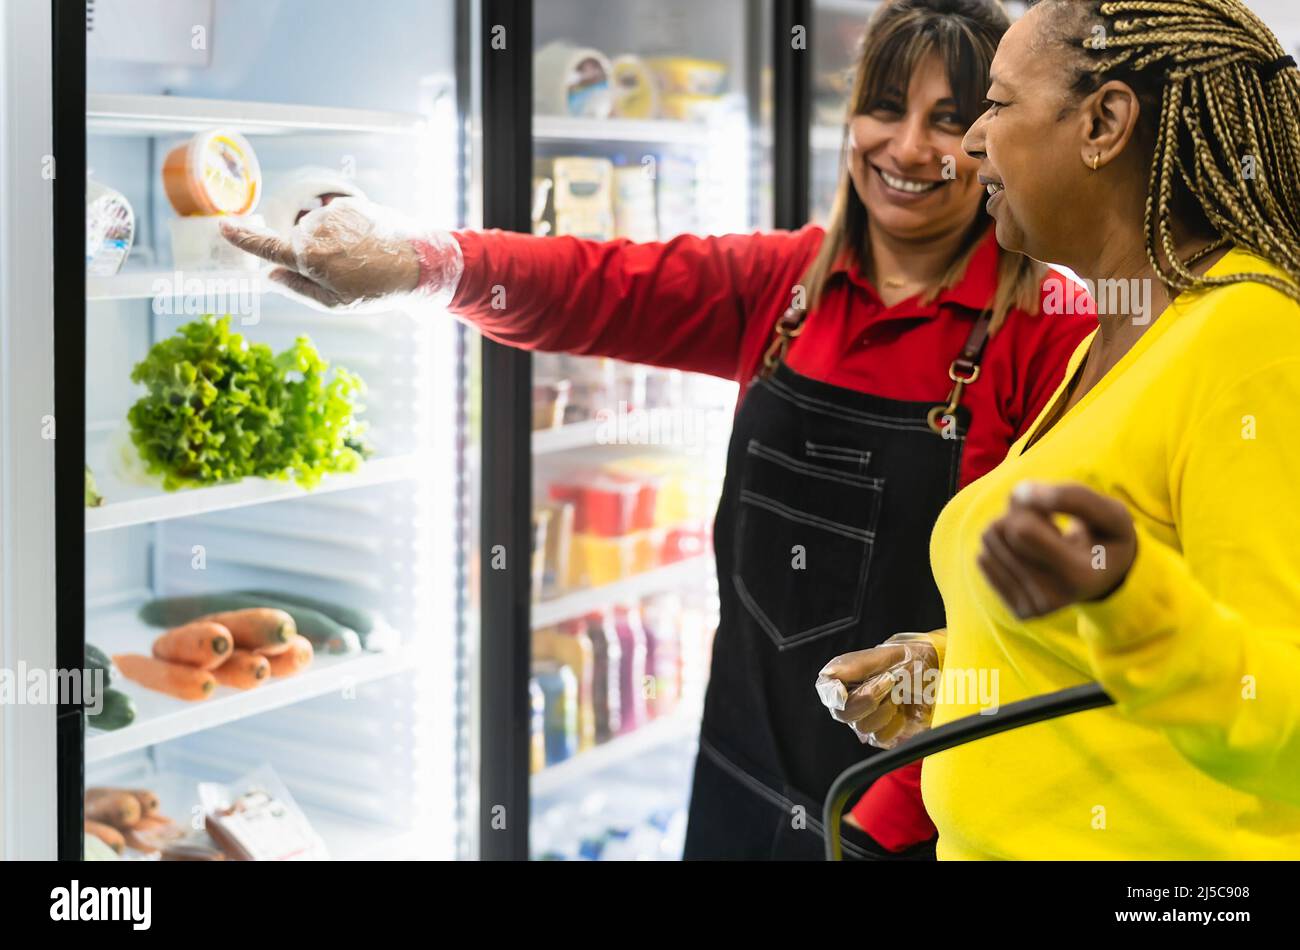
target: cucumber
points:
(362, 621)
(118, 711)
(174, 611)
(97, 659)
(323, 632)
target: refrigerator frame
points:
(506, 447)
(791, 114)
(68, 19)
(506, 499)
(506, 472)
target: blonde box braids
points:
(1227, 138)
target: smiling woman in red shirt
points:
(885, 362)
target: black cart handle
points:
(967, 729)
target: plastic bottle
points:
(570, 645)
(607, 654)
(536, 726)
(661, 617)
(560, 688)
(632, 668)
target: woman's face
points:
(906, 161)
(1029, 151)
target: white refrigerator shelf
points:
(682, 725)
(577, 435)
(113, 114)
(144, 284)
(346, 839)
(670, 577)
(158, 506)
(160, 717)
(563, 128)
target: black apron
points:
(822, 539)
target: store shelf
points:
(145, 285)
(157, 506)
(346, 839)
(579, 435)
(165, 115)
(682, 726)
(669, 577)
(560, 128)
(160, 717)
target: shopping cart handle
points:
(967, 729)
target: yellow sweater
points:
(1197, 430)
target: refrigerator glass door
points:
(838, 26)
(647, 124)
(261, 111)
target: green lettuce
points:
(219, 408)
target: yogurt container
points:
(215, 172)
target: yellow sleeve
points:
(1205, 643)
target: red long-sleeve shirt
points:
(709, 305)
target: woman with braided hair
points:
(1144, 531)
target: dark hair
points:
(964, 35)
(1216, 93)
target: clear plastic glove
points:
(353, 255)
(885, 694)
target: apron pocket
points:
(856, 459)
(801, 576)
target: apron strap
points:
(788, 326)
(965, 369)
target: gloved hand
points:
(352, 254)
(885, 694)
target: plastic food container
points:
(607, 506)
(648, 551)
(646, 500)
(559, 544)
(604, 505)
(110, 230)
(597, 561)
(541, 529)
(197, 244)
(571, 80)
(215, 172)
(685, 541)
(550, 399)
(689, 76)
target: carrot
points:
(243, 670)
(278, 649)
(148, 800)
(117, 808)
(295, 660)
(256, 626)
(174, 679)
(107, 834)
(202, 643)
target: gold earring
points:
(1096, 161)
